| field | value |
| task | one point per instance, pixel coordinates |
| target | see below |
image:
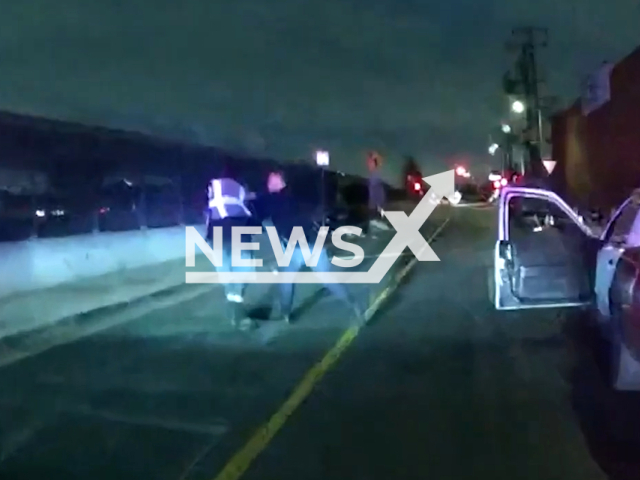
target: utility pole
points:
(526, 83)
(508, 164)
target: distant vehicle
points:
(469, 193)
(599, 271)
(415, 186)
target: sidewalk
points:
(31, 310)
(34, 322)
(40, 309)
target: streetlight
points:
(493, 148)
(506, 128)
(517, 106)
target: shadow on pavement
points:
(609, 419)
(309, 302)
(263, 311)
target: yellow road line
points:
(242, 460)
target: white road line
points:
(213, 429)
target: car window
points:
(621, 227)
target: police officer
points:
(227, 209)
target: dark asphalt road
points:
(438, 386)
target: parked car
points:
(597, 269)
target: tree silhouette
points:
(410, 168)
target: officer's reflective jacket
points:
(226, 199)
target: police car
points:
(596, 268)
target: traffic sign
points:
(322, 158)
(549, 165)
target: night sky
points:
(281, 78)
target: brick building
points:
(596, 142)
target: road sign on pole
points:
(549, 165)
(322, 158)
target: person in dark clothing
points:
(283, 211)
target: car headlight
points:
(455, 198)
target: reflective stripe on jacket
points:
(226, 199)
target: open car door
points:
(545, 255)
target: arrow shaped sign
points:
(549, 165)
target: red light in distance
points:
(503, 182)
(416, 186)
(496, 184)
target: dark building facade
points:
(106, 180)
(596, 142)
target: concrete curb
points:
(18, 347)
